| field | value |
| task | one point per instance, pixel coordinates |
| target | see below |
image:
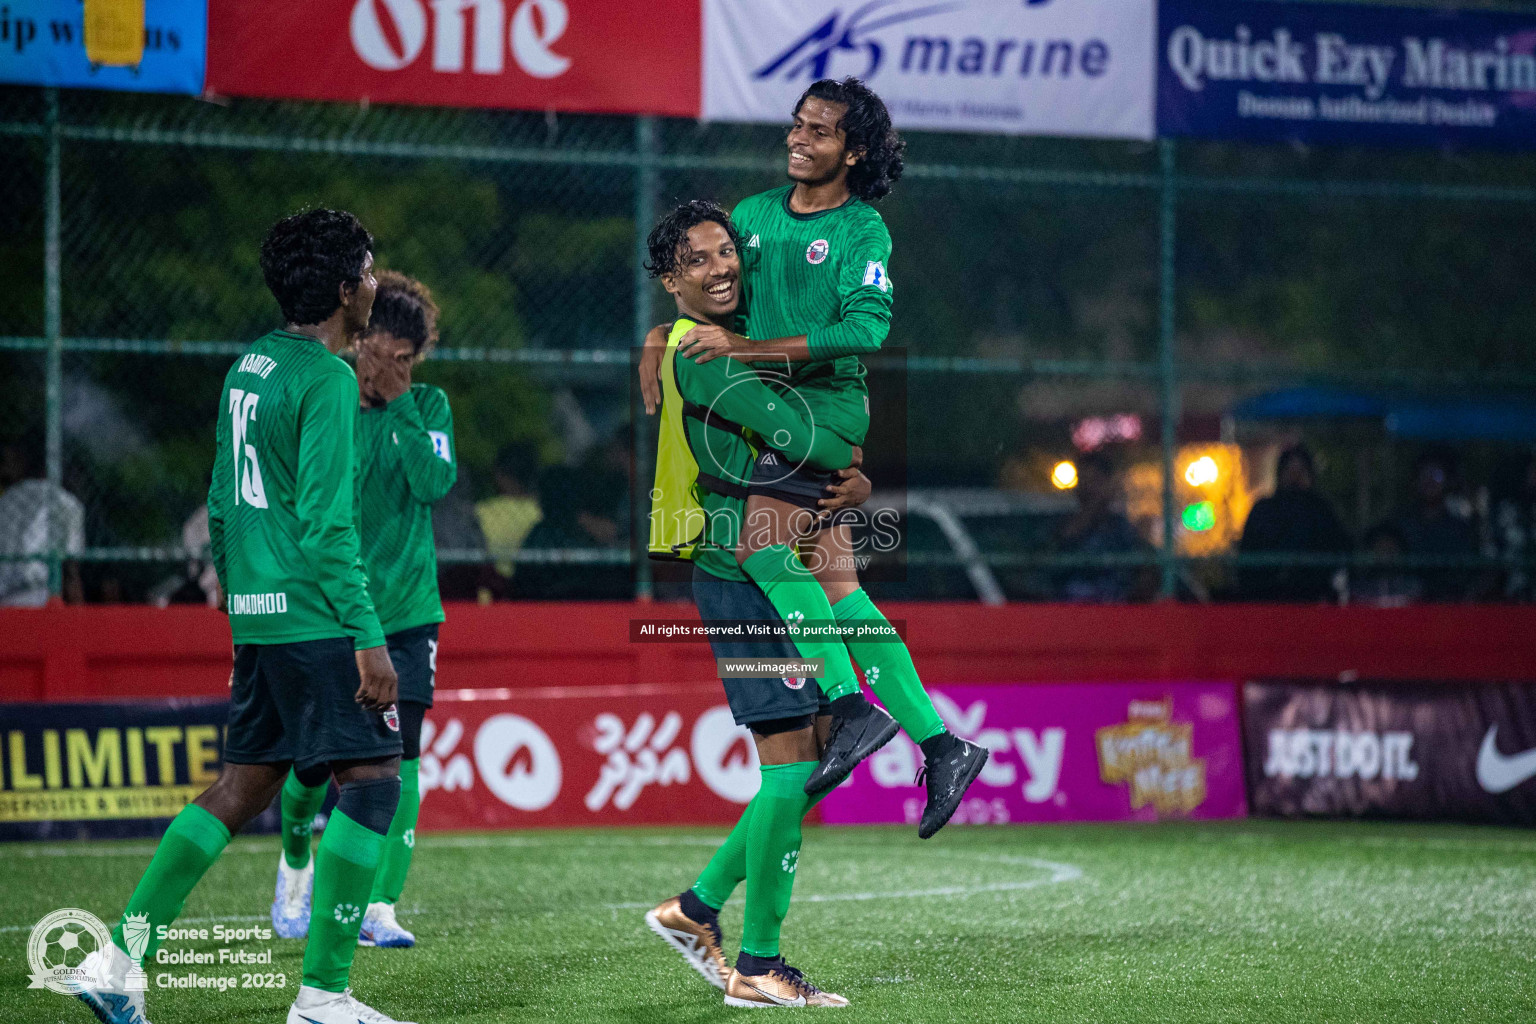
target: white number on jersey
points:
(242, 409)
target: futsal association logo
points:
(817, 251)
(58, 948)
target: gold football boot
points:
(782, 986)
(699, 943)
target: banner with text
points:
(72, 771)
(515, 54)
(584, 756)
(156, 47)
(1460, 751)
(1079, 68)
(1330, 73)
(1069, 752)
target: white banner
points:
(1022, 67)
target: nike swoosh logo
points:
(1499, 774)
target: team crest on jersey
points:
(392, 718)
(817, 251)
(795, 682)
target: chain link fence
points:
(1127, 310)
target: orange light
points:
(1064, 476)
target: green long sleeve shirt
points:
(406, 464)
(823, 275)
(281, 507)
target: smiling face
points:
(818, 147)
(707, 281)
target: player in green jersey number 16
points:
(313, 686)
(817, 295)
(406, 463)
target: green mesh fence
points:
(1053, 297)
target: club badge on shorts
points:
(795, 682)
(817, 251)
(392, 718)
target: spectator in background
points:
(1100, 527)
(1296, 519)
(36, 517)
(199, 582)
(456, 527)
(1514, 530)
(579, 516)
(1386, 584)
(508, 518)
(1431, 528)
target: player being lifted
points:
(694, 252)
(312, 685)
(406, 464)
(817, 296)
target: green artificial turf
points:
(1247, 921)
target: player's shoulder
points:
(864, 221)
(755, 205)
(428, 395)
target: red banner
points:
(584, 756)
(576, 55)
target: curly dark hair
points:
(305, 258)
(866, 126)
(403, 306)
(670, 236)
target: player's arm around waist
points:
(424, 423)
(324, 498)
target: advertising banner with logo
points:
(1069, 752)
(1332, 73)
(153, 46)
(69, 771)
(584, 756)
(514, 54)
(1029, 67)
(1457, 751)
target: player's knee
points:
(371, 803)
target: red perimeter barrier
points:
(104, 652)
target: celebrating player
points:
(406, 462)
(694, 251)
(818, 295)
(313, 686)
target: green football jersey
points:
(406, 463)
(281, 504)
(721, 398)
(822, 275)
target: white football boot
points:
(106, 993)
(290, 901)
(381, 929)
(317, 1006)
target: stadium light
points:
(1064, 475)
(1202, 471)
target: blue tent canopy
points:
(1407, 416)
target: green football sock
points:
(300, 805)
(401, 841)
(344, 866)
(728, 867)
(888, 668)
(188, 849)
(773, 853)
(797, 597)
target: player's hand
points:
(380, 686)
(851, 490)
(858, 457)
(384, 368)
(710, 341)
(223, 602)
(651, 354)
